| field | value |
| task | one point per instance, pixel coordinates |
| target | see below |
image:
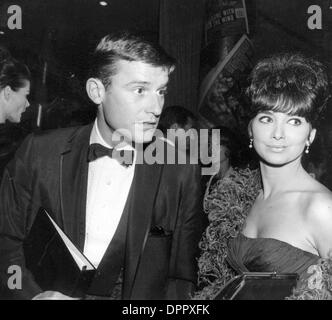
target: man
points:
(137, 222)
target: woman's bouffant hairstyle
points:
(289, 83)
(12, 72)
(129, 47)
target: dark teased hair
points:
(129, 47)
(176, 114)
(289, 83)
(13, 73)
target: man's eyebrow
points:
(144, 83)
(137, 83)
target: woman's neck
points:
(280, 179)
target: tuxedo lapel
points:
(144, 192)
(73, 185)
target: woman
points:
(14, 89)
(288, 226)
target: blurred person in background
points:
(179, 126)
(14, 90)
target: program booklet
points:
(55, 262)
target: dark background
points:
(64, 32)
(58, 35)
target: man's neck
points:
(2, 117)
(112, 139)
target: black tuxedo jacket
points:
(50, 170)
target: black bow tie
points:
(96, 150)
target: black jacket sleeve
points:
(187, 233)
(16, 210)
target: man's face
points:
(133, 102)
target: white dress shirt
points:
(108, 187)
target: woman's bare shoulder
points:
(319, 218)
(319, 200)
(320, 196)
(312, 195)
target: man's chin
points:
(146, 137)
(144, 140)
(14, 120)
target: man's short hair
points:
(129, 47)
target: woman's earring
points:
(307, 148)
(250, 143)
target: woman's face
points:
(17, 103)
(279, 138)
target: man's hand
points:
(52, 295)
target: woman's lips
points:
(277, 148)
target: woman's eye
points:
(265, 119)
(295, 121)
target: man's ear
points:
(7, 92)
(312, 136)
(95, 90)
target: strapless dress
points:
(268, 255)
